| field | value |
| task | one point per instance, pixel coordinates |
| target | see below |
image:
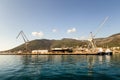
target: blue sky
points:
(56, 19)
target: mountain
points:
(111, 41)
(66, 42)
(35, 44)
(48, 44)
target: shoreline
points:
(50, 54)
(54, 53)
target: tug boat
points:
(100, 51)
(108, 52)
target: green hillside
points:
(48, 44)
(112, 41)
(67, 43)
(35, 44)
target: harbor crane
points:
(24, 38)
(91, 39)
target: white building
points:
(39, 51)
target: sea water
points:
(60, 67)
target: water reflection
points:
(100, 59)
(7, 62)
(89, 60)
(91, 63)
(46, 66)
(68, 63)
(108, 58)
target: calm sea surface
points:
(59, 67)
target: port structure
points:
(92, 44)
(92, 36)
(24, 38)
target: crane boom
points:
(24, 38)
(91, 39)
(101, 25)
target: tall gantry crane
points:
(91, 39)
(24, 38)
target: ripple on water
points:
(59, 67)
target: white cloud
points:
(37, 34)
(80, 38)
(54, 30)
(71, 30)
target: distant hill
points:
(35, 44)
(111, 41)
(48, 44)
(67, 43)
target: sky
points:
(56, 19)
